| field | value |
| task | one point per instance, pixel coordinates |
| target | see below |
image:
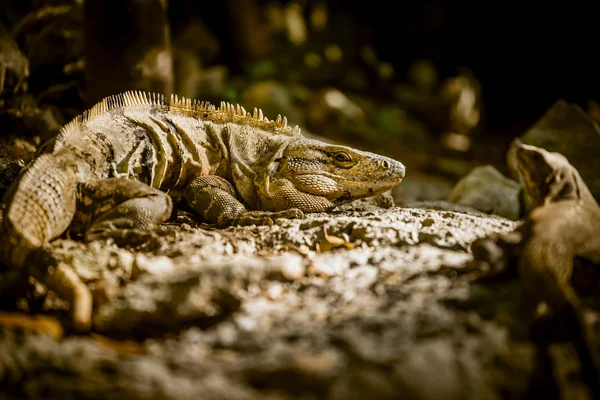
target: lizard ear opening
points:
(279, 164)
(278, 161)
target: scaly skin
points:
(563, 224)
(112, 173)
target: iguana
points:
(563, 225)
(114, 170)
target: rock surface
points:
(567, 129)
(487, 190)
(14, 66)
(351, 305)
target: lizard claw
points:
(292, 213)
(247, 220)
(62, 280)
(129, 237)
(265, 217)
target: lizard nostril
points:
(385, 164)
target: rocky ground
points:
(364, 303)
(377, 300)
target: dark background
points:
(526, 55)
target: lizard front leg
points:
(125, 210)
(64, 281)
(215, 200)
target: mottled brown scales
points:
(112, 173)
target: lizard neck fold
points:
(253, 156)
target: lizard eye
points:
(343, 158)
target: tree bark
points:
(249, 33)
(127, 47)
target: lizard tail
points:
(545, 268)
(40, 206)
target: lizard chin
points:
(340, 190)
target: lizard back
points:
(161, 142)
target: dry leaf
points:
(330, 242)
(36, 323)
(120, 346)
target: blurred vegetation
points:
(440, 86)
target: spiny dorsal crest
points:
(126, 99)
(227, 109)
(137, 98)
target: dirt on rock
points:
(355, 304)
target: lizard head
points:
(548, 177)
(336, 173)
